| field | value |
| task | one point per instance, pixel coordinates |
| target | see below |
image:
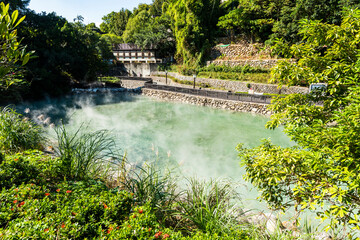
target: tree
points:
(65, 52)
(150, 31)
(115, 22)
(13, 55)
(253, 20)
(322, 172)
(17, 4)
(194, 26)
(328, 11)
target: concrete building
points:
(130, 53)
(135, 61)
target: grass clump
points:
(85, 155)
(18, 133)
(210, 206)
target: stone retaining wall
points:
(257, 63)
(241, 50)
(206, 101)
(234, 86)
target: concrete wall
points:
(234, 86)
(140, 69)
(207, 101)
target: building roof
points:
(130, 46)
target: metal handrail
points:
(242, 97)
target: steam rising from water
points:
(197, 140)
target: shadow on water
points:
(57, 109)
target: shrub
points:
(28, 167)
(18, 133)
(63, 211)
(235, 69)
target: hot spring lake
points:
(192, 140)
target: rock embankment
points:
(241, 50)
(207, 101)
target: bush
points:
(235, 69)
(18, 133)
(28, 167)
(63, 211)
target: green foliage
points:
(18, 133)
(66, 210)
(17, 4)
(149, 186)
(193, 25)
(327, 11)
(149, 31)
(85, 155)
(13, 55)
(65, 51)
(235, 69)
(28, 167)
(115, 22)
(243, 77)
(321, 173)
(251, 19)
(210, 206)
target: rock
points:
(267, 220)
(322, 236)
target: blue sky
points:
(91, 10)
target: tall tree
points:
(194, 25)
(115, 22)
(328, 11)
(147, 30)
(65, 51)
(253, 20)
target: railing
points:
(242, 97)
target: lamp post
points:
(166, 76)
(194, 79)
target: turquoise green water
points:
(197, 141)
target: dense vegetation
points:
(43, 53)
(321, 172)
(63, 52)
(76, 193)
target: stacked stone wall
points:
(206, 101)
(256, 63)
(243, 50)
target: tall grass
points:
(150, 186)
(86, 155)
(210, 206)
(18, 133)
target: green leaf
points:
(25, 59)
